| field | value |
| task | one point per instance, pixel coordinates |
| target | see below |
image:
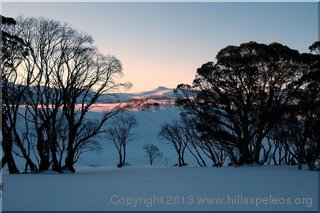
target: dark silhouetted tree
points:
(300, 128)
(152, 152)
(174, 135)
(65, 75)
(120, 134)
(241, 96)
(13, 52)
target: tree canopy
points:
(238, 99)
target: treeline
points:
(256, 104)
(51, 76)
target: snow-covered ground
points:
(165, 188)
(99, 185)
(149, 125)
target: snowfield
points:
(99, 185)
(149, 125)
(165, 188)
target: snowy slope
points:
(99, 185)
(145, 188)
(149, 124)
(158, 92)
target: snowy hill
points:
(161, 91)
(149, 125)
(161, 97)
(98, 185)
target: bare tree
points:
(173, 133)
(65, 75)
(152, 152)
(182, 135)
(82, 90)
(44, 98)
(120, 134)
(13, 52)
(194, 142)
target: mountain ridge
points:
(160, 92)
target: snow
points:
(164, 188)
(160, 91)
(149, 124)
(99, 185)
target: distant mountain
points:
(163, 88)
(159, 98)
(159, 93)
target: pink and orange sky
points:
(162, 44)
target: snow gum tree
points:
(120, 134)
(63, 76)
(152, 152)
(241, 96)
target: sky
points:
(163, 44)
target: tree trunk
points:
(56, 166)
(201, 158)
(256, 157)
(52, 130)
(69, 161)
(124, 155)
(7, 144)
(200, 162)
(43, 154)
(245, 155)
(181, 161)
(8, 159)
(32, 166)
(120, 158)
(257, 149)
